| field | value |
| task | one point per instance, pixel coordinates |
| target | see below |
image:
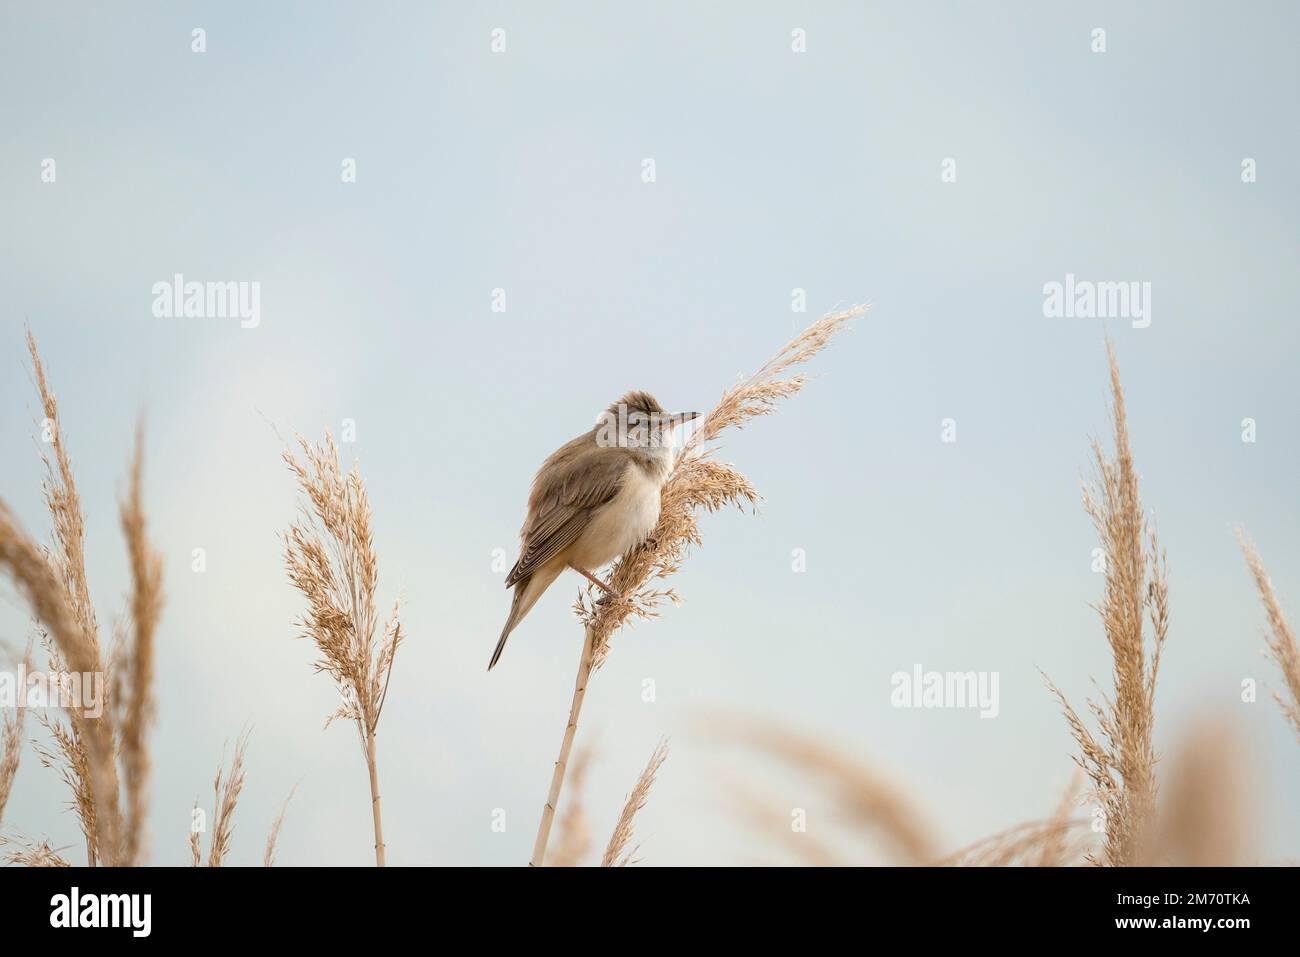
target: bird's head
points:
(637, 420)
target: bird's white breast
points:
(625, 521)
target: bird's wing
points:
(562, 509)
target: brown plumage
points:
(592, 499)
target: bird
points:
(594, 498)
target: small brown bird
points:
(592, 500)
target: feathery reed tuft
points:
(268, 856)
(618, 853)
(31, 855)
(1281, 640)
(697, 481)
(64, 504)
(1120, 759)
(226, 788)
(330, 557)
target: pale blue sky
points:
(775, 170)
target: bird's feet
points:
(607, 591)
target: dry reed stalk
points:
(330, 558)
(1282, 644)
(618, 853)
(268, 856)
(573, 841)
(866, 797)
(696, 482)
(1120, 759)
(226, 788)
(566, 744)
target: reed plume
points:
(1281, 639)
(330, 557)
(1120, 758)
(226, 788)
(619, 852)
(696, 482)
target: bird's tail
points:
(513, 620)
(527, 592)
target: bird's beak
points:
(677, 418)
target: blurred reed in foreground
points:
(103, 757)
